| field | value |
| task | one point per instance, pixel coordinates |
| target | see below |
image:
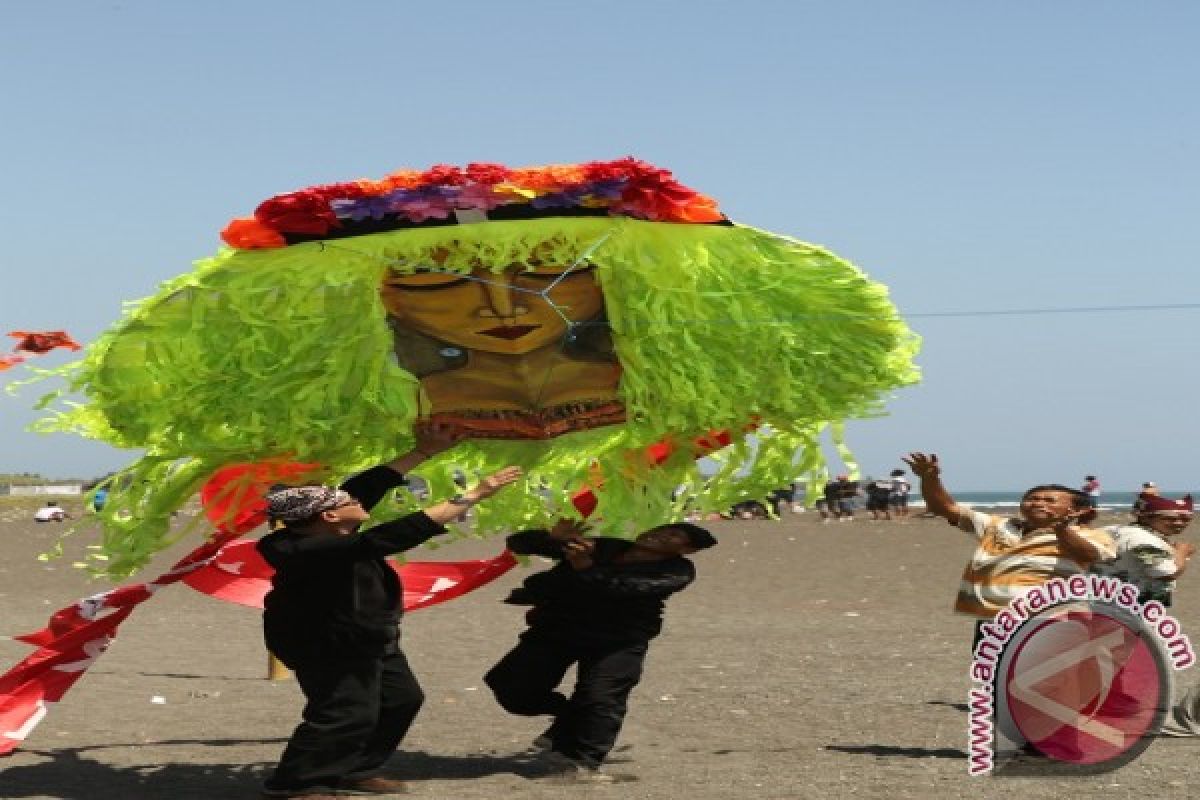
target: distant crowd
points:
(882, 498)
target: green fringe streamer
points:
(287, 353)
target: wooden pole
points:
(276, 671)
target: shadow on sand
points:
(885, 751)
(69, 774)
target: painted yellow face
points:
(523, 353)
(513, 312)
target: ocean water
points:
(1109, 501)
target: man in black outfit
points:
(598, 608)
(332, 617)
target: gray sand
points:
(809, 661)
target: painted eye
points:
(426, 280)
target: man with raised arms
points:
(1014, 555)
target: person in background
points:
(799, 490)
(1091, 488)
(51, 512)
(901, 488)
(1149, 490)
(826, 504)
(1146, 556)
(780, 500)
(879, 498)
(845, 492)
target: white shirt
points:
(49, 513)
(1143, 558)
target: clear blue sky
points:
(971, 156)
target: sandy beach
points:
(809, 661)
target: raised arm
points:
(450, 510)
(431, 440)
(396, 536)
(551, 543)
(1086, 546)
(369, 487)
(937, 500)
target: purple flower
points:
(608, 190)
(362, 208)
(421, 208)
(565, 199)
(478, 196)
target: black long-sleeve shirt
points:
(336, 595)
(610, 602)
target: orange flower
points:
(248, 233)
(402, 179)
(548, 179)
(700, 208)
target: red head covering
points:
(1156, 504)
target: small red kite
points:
(43, 341)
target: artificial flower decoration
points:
(626, 187)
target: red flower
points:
(299, 212)
(651, 193)
(443, 175)
(654, 194)
(248, 233)
(339, 191)
(486, 173)
(627, 168)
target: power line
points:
(852, 317)
(1012, 312)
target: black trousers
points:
(586, 725)
(357, 713)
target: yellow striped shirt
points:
(1010, 561)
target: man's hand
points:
(937, 500)
(922, 465)
(433, 438)
(1069, 532)
(567, 529)
(494, 483)
(1184, 551)
(578, 552)
(429, 441)
(1071, 522)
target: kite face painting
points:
(571, 319)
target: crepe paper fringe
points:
(286, 353)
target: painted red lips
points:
(510, 332)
